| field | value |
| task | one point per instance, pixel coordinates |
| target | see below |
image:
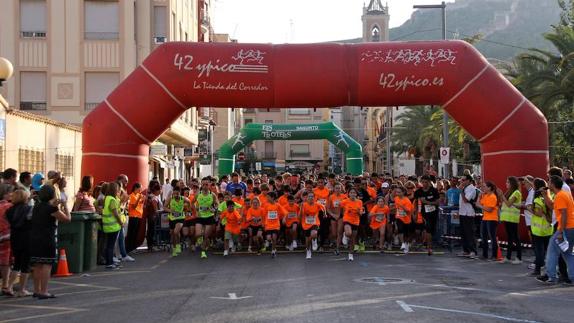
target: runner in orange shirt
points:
(321, 196)
(351, 219)
(310, 221)
(404, 209)
(335, 211)
(255, 218)
(378, 215)
(272, 217)
(291, 221)
(245, 223)
(232, 226)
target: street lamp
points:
(445, 140)
(6, 70)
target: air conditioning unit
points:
(160, 40)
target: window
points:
(33, 18)
(300, 150)
(33, 91)
(300, 111)
(101, 20)
(159, 16)
(98, 86)
(30, 160)
(248, 121)
(269, 153)
(65, 164)
(375, 34)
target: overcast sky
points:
(300, 21)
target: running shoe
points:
(249, 249)
(308, 254)
(403, 246)
(406, 248)
(128, 259)
(203, 255)
(356, 248)
(225, 253)
(350, 257)
(290, 247)
(315, 246)
(294, 244)
(361, 246)
(273, 253)
(337, 252)
(516, 261)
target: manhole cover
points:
(384, 280)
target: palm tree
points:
(414, 130)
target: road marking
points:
(512, 319)
(62, 310)
(405, 306)
(232, 296)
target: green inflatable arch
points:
(326, 130)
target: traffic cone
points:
(499, 254)
(62, 265)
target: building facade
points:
(279, 155)
(69, 55)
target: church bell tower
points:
(375, 22)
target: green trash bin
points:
(91, 225)
(71, 238)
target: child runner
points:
(188, 229)
(404, 208)
(232, 226)
(255, 218)
(335, 210)
(378, 215)
(245, 223)
(321, 194)
(227, 197)
(206, 204)
(292, 221)
(310, 222)
(272, 217)
(353, 208)
(175, 206)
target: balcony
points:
(300, 154)
(89, 106)
(204, 20)
(101, 35)
(268, 155)
(33, 34)
(159, 39)
(33, 106)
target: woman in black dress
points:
(43, 253)
(19, 216)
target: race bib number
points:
(272, 215)
(322, 202)
(310, 219)
(379, 217)
(401, 213)
(291, 215)
(336, 203)
(430, 208)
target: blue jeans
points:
(122, 243)
(488, 232)
(109, 249)
(554, 252)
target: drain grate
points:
(384, 280)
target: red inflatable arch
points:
(452, 74)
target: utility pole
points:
(445, 139)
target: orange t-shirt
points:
(563, 200)
(321, 195)
(292, 214)
(489, 200)
(272, 217)
(379, 216)
(310, 215)
(283, 201)
(262, 198)
(137, 211)
(233, 224)
(404, 209)
(372, 192)
(353, 211)
(255, 216)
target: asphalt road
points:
(249, 288)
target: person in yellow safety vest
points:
(176, 205)
(510, 216)
(112, 221)
(541, 225)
